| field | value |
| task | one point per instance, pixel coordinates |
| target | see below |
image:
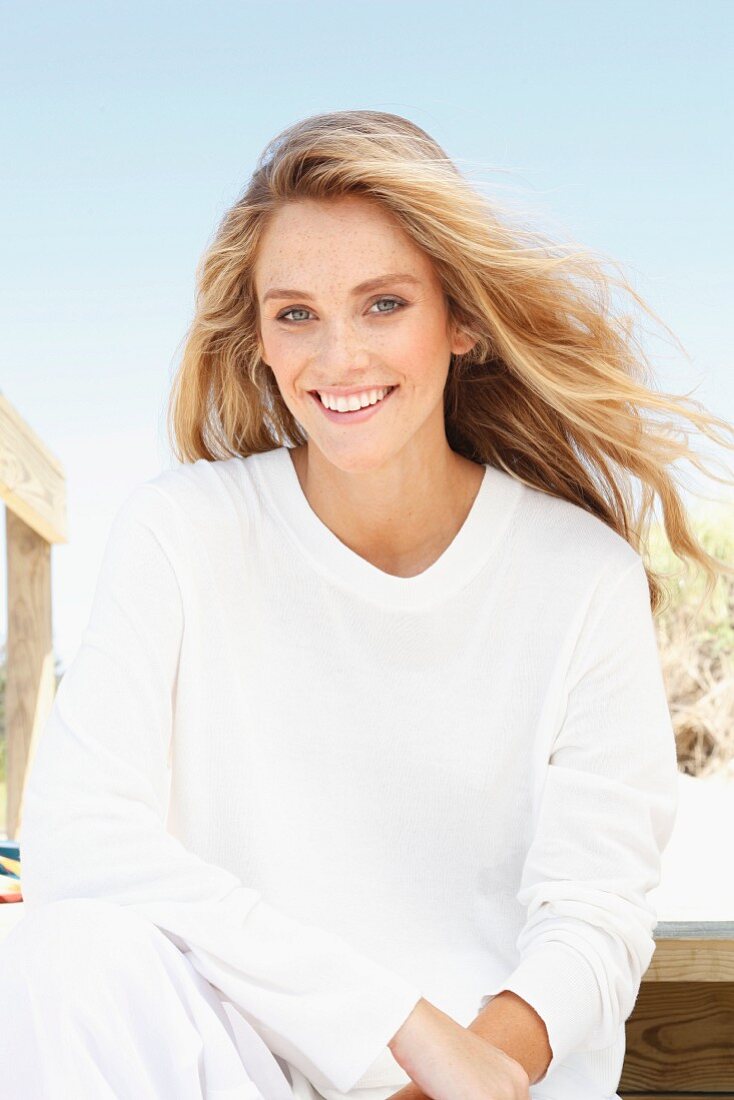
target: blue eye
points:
(396, 300)
(296, 309)
(302, 309)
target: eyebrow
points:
(369, 284)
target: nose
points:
(342, 351)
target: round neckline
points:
(472, 547)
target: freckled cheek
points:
(418, 356)
(287, 358)
(403, 347)
(279, 350)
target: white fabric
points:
(96, 1002)
(339, 790)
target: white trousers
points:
(97, 1003)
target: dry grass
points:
(696, 642)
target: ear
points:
(462, 342)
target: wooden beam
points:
(30, 683)
(679, 1040)
(32, 480)
(693, 951)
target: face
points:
(365, 310)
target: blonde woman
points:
(359, 782)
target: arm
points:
(446, 1060)
(605, 816)
(510, 1023)
(95, 804)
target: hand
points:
(487, 1074)
(409, 1092)
(448, 1062)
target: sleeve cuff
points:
(385, 1072)
(561, 986)
(359, 1053)
(324, 1007)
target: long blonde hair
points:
(557, 389)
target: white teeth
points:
(355, 401)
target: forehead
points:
(351, 234)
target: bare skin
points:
(389, 486)
(448, 1062)
(390, 560)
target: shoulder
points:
(195, 483)
(588, 579)
(190, 502)
(567, 541)
(203, 490)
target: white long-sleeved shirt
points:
(341, 790)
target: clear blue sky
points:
(128, 129)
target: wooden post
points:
(32, 485)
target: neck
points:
(400, 517)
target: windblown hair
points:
(557, 390)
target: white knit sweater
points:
(342, 790)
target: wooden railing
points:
(33, 488)
(680, 1036)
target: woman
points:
(365, 762)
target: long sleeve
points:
(605, 816)
(94, 816)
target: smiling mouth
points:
(316, 394)
(352, 416)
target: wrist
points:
(419, 1039)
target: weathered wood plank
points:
(30, 682)
(680, 1037)
(32, 481)
(697, 952)
(696, 929)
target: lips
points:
(351, 393)
(354, 416)
(384, 390)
